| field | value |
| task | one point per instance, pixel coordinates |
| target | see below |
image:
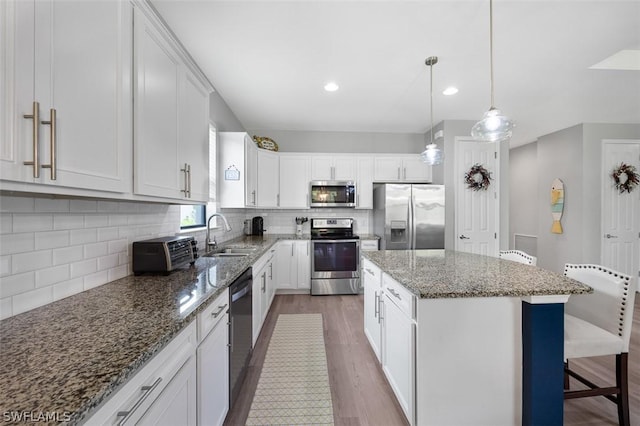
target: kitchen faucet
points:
(213, 244)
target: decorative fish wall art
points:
(557, 205)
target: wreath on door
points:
(625, 178)
(478, 178)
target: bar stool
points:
(600, 324)
(518, 256)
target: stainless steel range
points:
(335, 257)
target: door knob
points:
(463, 237)
(610, 236)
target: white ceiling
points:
(269, 60)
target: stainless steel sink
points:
(226, 254)
(239, 250)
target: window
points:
(193, 216)
(196, 216)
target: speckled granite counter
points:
(70, 356)
(434, 274)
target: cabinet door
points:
(176, 405)
(157, 70)
(398, 354)
(85, 80)
(415, 170)
(294, 181)
(303, 260)
(194, 137)
(251, 173)
(364, 184)
(213, 375)
(268, 178)
(344, 168)
(387, 169)
(272, 278)
(372, 329)
(257, 295)
(287, 268)
(322, 168)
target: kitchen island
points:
(467, 339)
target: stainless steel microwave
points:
(332, 193)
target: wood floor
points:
(360, 393)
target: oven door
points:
(335, 259)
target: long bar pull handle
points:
(398, 173)
(35, 116)
(146, 392)
(52, 143)
(376, 307)
(405, 173)
(219, 311)
(189, 180)
(184, 170)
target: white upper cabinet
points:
(333, 167)
(364, 183)
(66, 93)
(294, 181)
(401, 168)
(268, 178)
(251, 172)
(171, 149)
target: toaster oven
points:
(162, 255)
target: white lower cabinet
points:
(262, 291)
(398, 343)
(176, 405)
(213, 362)
(162, 392)
(294, 265)
(371, 280)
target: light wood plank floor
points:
(360, 393)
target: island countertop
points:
(68, 357)
(439, 274)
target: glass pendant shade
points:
(432, 155)
(493, 127)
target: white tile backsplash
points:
(53, 248)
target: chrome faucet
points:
(213, 244)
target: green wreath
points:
(478, 178)
(630, 179)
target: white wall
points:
(300, 141)
(222, 116)
(573, 155)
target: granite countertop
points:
(69, 356)
(438, 274)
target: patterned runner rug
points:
(293, 388)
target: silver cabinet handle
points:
(358, 199)
(463, 237)
(185, 170)
(380, 305)
(253, 195)
(271, 271)
(395, 293)
(292, 249)
(146, 392)
(398, 173)
(35, 116)
(278, 200)
(219, 311)
(405, 173)
(376, 307)
(610, 236)
(264, 282)
(369, 271)
(52, 143)
(189, 181)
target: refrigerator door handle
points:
(412, 229)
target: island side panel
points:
(469, 362)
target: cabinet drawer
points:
(369, 245)
(131, 401)
(368, 268)
(404, 299)
(215, 312)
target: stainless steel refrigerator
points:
(409, 216)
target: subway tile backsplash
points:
(54, 248)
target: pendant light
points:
(432, 155)
(494, 126)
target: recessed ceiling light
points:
(331, 87)
(450, 91)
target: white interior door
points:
(476, 212)
(620, 248)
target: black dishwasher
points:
(240, 329)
